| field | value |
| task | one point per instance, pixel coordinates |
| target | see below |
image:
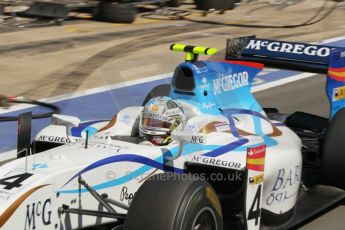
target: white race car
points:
(231, 165)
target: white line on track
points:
(282, 81)
(332, 40)
(88, 92)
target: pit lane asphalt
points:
(80, 55)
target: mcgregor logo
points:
(228, 82)
(284, 47)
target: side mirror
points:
(186, 137)
(65, 120)
(189, 137)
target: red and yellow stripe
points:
(256, 158)
(337, 74)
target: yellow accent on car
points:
(338, 93)
(178, 47)
(192, 52)
(259, 161)
(190, 56)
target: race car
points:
(230, 165)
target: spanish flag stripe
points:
(259, 168)
(256, 156)
(259, 161)
(337, 69)
(338, 74)
(342, 79)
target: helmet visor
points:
(155, 124)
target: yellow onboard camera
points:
(192, 52)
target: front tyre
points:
(175, 202)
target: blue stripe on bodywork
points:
(127, 158)
(188, 149)
(256, 119)
(233, 126)
(149, 163)
(267, 140)
(77, 131)
(229, 112)
(226, 148)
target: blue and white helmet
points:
(160, 116)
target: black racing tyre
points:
(115, 12)
(215, 4)
(333, 157)
(174, 202)
(159, 90)
(174, 3)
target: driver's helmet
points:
(160, 116)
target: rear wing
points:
(296, 56)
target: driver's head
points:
(160, 116)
